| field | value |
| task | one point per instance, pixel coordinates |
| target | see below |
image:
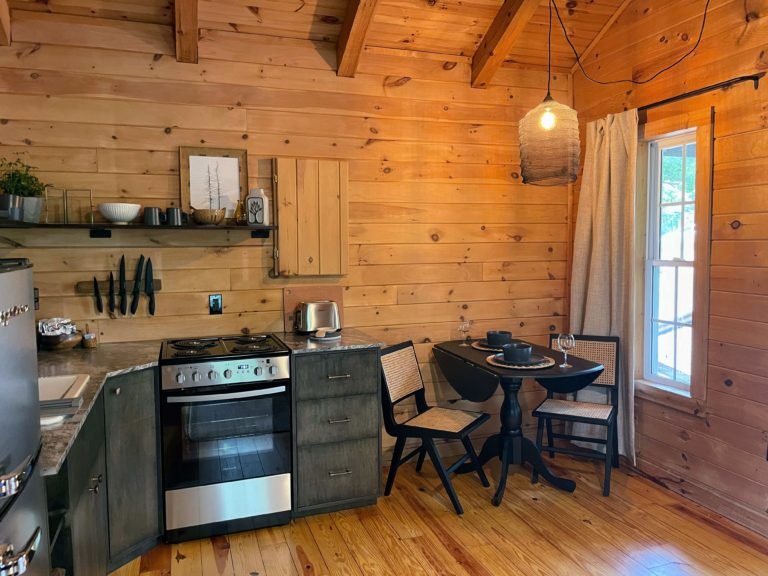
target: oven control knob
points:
(196, 377)
(180, 378)
(273, 370)
(227, 373)
(258, 371)
(212, 375)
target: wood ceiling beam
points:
(502, 34)
(5, 24)
(186, 30)
(354, 29)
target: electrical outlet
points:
(215, 304)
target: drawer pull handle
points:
(94, 489)
(117, 391)
(339, 376)
(339, 421)
(341, 473)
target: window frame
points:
(653, 258)
(667, 123)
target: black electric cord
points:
(656, 75)
(549, 52)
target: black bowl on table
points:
(497, 338)
(517, 352)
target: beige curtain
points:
(602, 285)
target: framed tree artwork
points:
(213, 178)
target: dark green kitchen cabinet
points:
(133, 471)
(336, 418)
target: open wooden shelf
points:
(104, 229)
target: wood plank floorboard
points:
(641, 529)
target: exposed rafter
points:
(186, 29)
(5, 24)
(352, 36)
(504, 31)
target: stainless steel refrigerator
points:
(23, 512)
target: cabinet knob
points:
(98, 479)
(94, 489)
(117, 391)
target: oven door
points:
(222, 434)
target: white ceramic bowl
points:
(119, 212)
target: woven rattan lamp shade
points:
(549, 144)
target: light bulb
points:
(548, 119)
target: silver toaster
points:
(310, 316)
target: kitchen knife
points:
(111, 295)
(121, 287)
(149, 287)
(97, 295)
(137, 285)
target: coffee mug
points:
(498, 338)
(154, 216)
(517, 352)
(174, 216)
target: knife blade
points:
(121, 287)
(111, 295)
(137, 285)
(97, 295)
(149, 287)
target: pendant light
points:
(549, 137)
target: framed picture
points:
(212, 178)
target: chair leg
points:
(550, 440)
(420, 461)
(616, 442)
(475, 460)
(396, 455)
(539, 438)
(609, 458)
(435, 457)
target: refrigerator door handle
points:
(13, 483)
(15, 564)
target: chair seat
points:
(554, 407)
(444, 419)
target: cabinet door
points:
(132, 463)
(89, 521)
(312, 216)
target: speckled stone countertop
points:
(351, 339)
(100, 363)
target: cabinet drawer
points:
(334, 472)
(319, 375)
(337, 419)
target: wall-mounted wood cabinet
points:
(312, 216)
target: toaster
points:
(310, 316)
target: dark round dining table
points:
(469, 373)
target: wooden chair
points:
(402, 380)
(605, 350)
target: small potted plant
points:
(18, 183)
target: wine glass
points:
(565, 342)
(464, 327)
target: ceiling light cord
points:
(549, 52)
(630, 80)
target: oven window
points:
(219, 441)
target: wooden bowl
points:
(208, 217)
(59, 342)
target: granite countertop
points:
(100, 363)
(351, 339)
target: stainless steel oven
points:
(226, 435)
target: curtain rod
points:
(755, 78)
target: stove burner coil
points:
(251, 339)
(193, 344)
(190, 352)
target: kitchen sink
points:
(54, 389)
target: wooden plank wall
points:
(440, 226)
(718, 457)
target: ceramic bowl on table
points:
(60, 341)
(497, 338)
(119, 212)
(206, 217)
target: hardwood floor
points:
(641, 529)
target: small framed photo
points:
(213, 178)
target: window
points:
(669, 262)
(673, 213)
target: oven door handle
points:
(216, 397)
